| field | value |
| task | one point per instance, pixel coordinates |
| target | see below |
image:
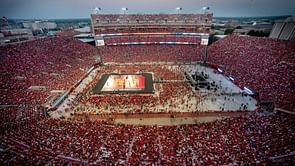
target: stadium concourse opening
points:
(124, 83)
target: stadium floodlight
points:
(125, 9)
(96, 10)
(205, 8)
(178, 9)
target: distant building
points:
(217, 31)
(85, 29)
(284, 29)
(85, 37)
(241, 31)
(262, 25)
(39, 25)
(15, 35)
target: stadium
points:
(152, 91)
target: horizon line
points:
(72, 18)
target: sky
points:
(59, 9)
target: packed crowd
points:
(143, 23)
(50, 64)
(171, 97)
(152, 38)
(246, 140)
(15, 117)
(150, 17)
(160, 19)
(169, 86)
(151, 53)
(151, 29)
(161, 72)
(31, 71)
(261, 64)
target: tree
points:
(228, 31)
(258, 33)
(238, 27)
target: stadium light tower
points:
(178, 9)
(125, 9)
(97, 10)
(205, 8)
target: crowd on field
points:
(264, 65)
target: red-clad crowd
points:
(246, 140)
(151, 29)
(261, 64)
(161, 73)
(30, 71)
(170, 91)
(15, 117)
(120, 18)
(152, 53)
(152, 38)
(155, 23)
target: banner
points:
(100, 42)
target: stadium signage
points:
(205, 39)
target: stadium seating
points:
(53, 63)
(27, 137)
(119, 18)
(246, 140)
(262, 64)
(142, 23)
(152, 38)
(111, 30)
(151, 53)
(48, 64)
